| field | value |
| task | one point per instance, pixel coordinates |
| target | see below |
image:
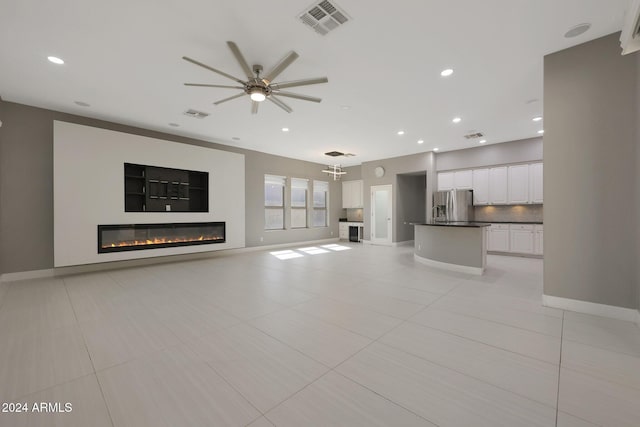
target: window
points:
(320, 197)
(274, 202)
(299, 188)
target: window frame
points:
(299, 183)
(280, 181)
(325, 185)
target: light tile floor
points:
(357, 337)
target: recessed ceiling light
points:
(175, 125)
(446, 73)
(456, 120)
(482, 141)
(55, 60)
(400, 132)
(436, 149)
(537, 118)
(576, 30)
(82, 104)
(345, 107)
(541, 131)
(285, 129)
(235, 138)
(421, 141)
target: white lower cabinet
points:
(538, 239)
(343, 231)
(515, 238)
(498, 238)
(521, 238)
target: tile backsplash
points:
(511, 213)
(353, 214)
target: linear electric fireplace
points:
(134, 237)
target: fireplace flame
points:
(160, 241)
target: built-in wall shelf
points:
(160, 189)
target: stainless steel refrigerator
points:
(453, 205)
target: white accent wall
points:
(88, 189)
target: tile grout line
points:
(437, 364)
(559, 370)
(496, 322)
(84, 341)
(487, 344)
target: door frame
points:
(382, 241)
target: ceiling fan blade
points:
(229, 98)
(298, 96)
(222, 73)
(254, 107)
(305, 82)
(284, 63)
(243, 62)
(279, 103)
(206, 85)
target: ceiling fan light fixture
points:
(257, 94)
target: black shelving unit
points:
(159, 189)
(134, 188)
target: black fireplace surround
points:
(134, 237)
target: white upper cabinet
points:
(352, 194)
(498, 185)
(518, 184)
(535, 183)
(463, 180)
(480, 186)
(445, 181)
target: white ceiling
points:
(123, 57)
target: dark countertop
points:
(457, 224)
(509, 222)
(346, 220)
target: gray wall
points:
(637, 215)
(411, 204)
(525, 150)
(423, 162)
(26, 190)
(590, 176)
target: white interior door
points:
(381, 214)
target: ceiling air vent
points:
(324, 17)
(195, 113)
(474, 135)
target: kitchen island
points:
(457, 246)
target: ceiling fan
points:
(260, 87)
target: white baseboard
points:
(451, 267)
(404, 243)
(26, 275)
(392, 244)
(369, 242)
(586, 307)
(90, 268)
